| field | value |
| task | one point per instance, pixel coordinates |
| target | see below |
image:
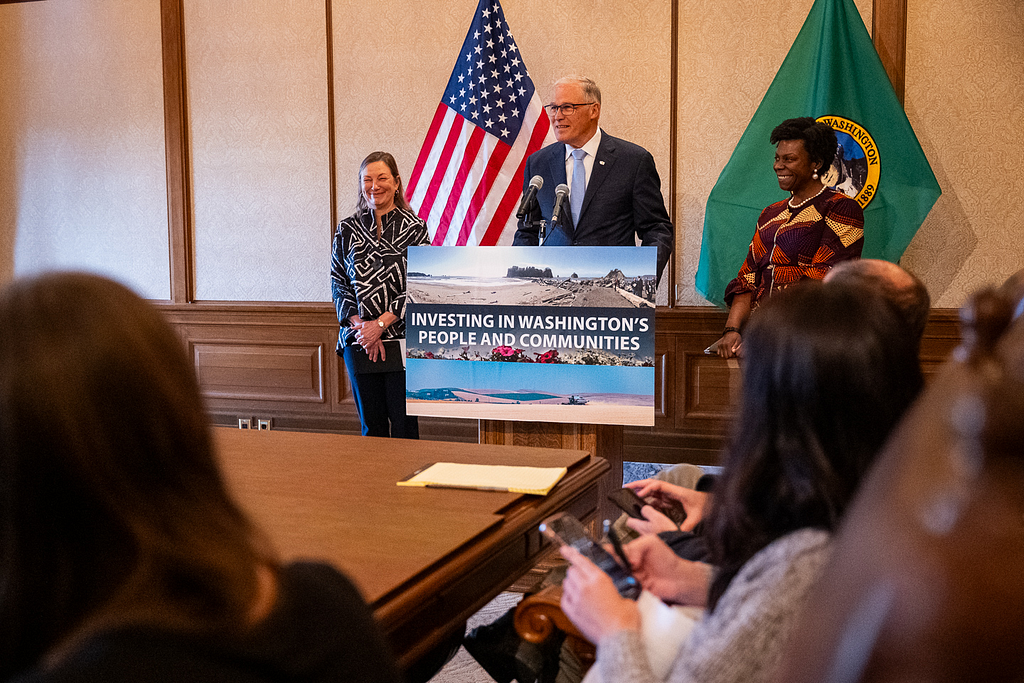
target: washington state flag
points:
(833, 74)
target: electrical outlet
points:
(244, 423)
(263, 424)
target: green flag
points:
(832, 73)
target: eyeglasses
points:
(566, 109)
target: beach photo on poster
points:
(595, 394)
(608, 277)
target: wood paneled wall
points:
(278, 362)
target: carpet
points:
(463, 668)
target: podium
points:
(549, 347)
(602, 441)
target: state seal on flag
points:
(857, 166)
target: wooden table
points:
(425, 559)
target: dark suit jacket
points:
(623, 198)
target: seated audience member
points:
(902, 289)
(122, 555)
(924, 583)
(828, 373)
(669, 501)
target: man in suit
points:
(614, 188)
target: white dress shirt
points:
(588, 161)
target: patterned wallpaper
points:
(965, 97)
(391, 67)
(257, 88)
(82, 173)
(729, 54)
(85, 130)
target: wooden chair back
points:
(926, 581)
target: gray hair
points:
(590, 89)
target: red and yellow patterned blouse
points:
(790, 244)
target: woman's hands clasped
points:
(368, 335)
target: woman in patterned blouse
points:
(796, 239)
(368, 272)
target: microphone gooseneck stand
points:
(541, 229)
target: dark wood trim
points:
(695, 414)
(889, 33)
(673, 127)
(331, 123)
(694, 397)
(177, 153)
(201, 311)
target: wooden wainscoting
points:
(695, 393)
(273, 361)
(277, 362)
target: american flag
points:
(469, 175)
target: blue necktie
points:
(579, 185)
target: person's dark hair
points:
(112, 506)
(388, 159)
(819, 139)
(827, 373)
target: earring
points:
(815, 175)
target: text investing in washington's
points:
(568, 323)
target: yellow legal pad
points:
(535, 480)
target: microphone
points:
(561, 192)
(536, 182)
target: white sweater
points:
(741, 641)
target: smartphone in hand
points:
(565, 529)
(628, 501)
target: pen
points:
(617, 545)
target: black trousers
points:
(380, 399)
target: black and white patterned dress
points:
(367, 276)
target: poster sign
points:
(545, 334)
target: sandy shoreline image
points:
(457, 395)
(591, 413)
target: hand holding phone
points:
(628, 501)
(567, 530)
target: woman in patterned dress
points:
(368, 281)
(799, 238)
